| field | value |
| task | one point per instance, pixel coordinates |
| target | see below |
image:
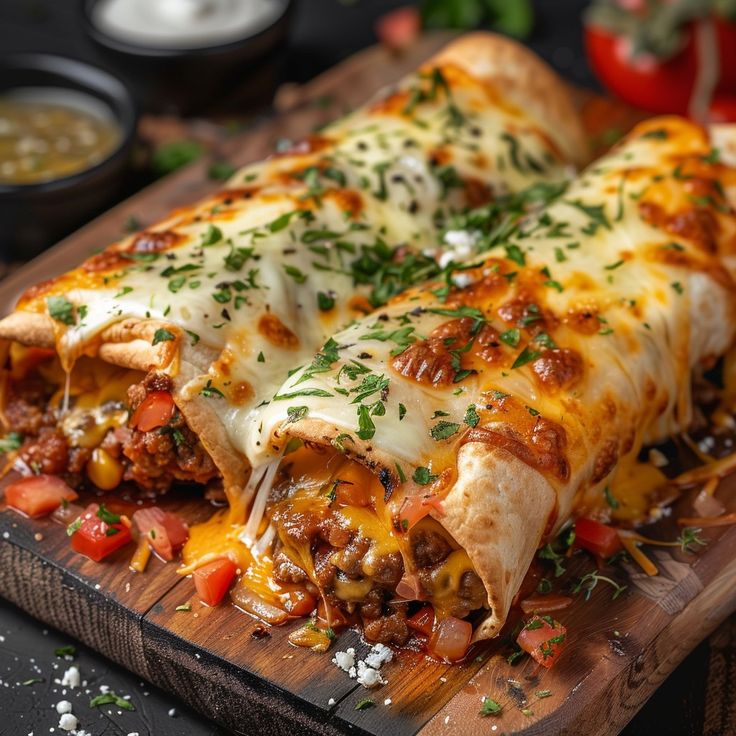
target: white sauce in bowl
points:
(184, 24)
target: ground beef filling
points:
(153, 460)
(361, 583)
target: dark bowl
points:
(34, 216)
(186, 80)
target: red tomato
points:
(213, 580)
(166, 532)
(38, 495)
(399, 29)
(646, 83)
(299, 602)
(422, 621)
(98, 532)
(722, 109)
(597, 538)
(154, 411)
(659, 86)
(450, 639)
(543, 638)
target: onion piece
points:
(255, 605)
(704, 522)
(66, 514)
(706, 505)
(450, 639)
(545, 603)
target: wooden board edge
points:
(51, 594)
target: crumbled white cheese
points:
(367, 676)
(387, 701)
(68, 722)
(172, 712)
(461, 244)
(462, 280)
(134, 733)
(63, 706)
(378, 656)
(345, 660)
(71, 678)
(104, 689)
(331, 701)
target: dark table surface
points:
(696, 699)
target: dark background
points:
(323, 33)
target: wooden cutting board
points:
(618, 651)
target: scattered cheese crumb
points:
(367, 676)
(172, 713)
(104, 689)
(63, 706)
(387, 701)
(447, 720)
(443, 680)
(345, 660)
(379, 655)
(68, 722)
(331, 701)
(71, 678)
(134, 733)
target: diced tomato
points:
(98, 532)
(450, 639)
(597, 538)
(154, 411)
(298, 602)
(543, 638)
(165, 532)
(213, 580)
(399, 29)
(38, 495)
(422, 621)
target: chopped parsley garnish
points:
(303, 392)
(66, 651)
(422, 476)
(325, 302)
(162, 335)
(364, 704)
(299, 276)
(611, 500)
(443, 430)
(511, 337)
(489, 707)
(211, 235)
(471, 416)
(110, 698)
(12, 441)
(209, 391)
(596, 214)
(689, 538)
(107, 516)
(527, 355)
(295, 413)
(61, 309)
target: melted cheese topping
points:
(263, 272)
(571, 345)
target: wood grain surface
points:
(618, 652)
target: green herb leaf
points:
(61, 309)
(110, 698)
(211, 235)
(423, 477)
(12, 441)
(490, 707)
(162, 335)
(364, 704)
(66, 651)
(442, 430)
(471, 416)
(107, 516)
